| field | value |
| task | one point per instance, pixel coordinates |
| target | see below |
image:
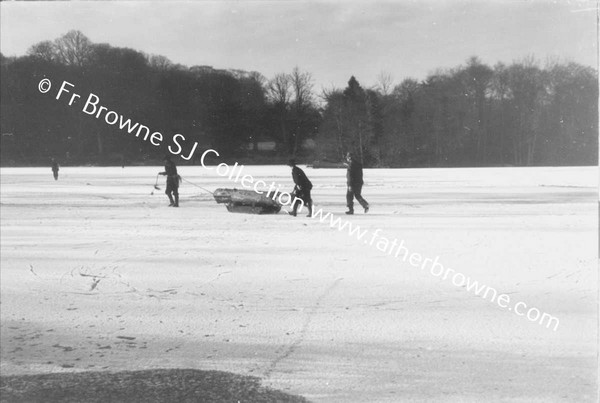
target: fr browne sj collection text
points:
(93, 107)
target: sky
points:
(332, 40)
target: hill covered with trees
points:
(473, 115)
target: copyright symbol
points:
(44, 85)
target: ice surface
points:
(98, 273)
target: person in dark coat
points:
(302, 189)
(354, 180)
(172, 181)
(55, 169)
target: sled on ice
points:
(247, 201)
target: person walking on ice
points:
(172, 190)
(55, 169)
(354, 180)
(301, 189)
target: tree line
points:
(473, 115)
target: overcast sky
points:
(330, 39)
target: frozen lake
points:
(99, 274)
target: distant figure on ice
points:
(301, 189)
(354, 180)
(172, 181)
(55, 169)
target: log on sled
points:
(247, 201)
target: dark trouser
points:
(173, 190)
(55, 173)
(354, 193)
(303, 195)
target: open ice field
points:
(98, 274)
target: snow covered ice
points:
(97, 273)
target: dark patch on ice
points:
(160, 385)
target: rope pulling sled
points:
(240, 200)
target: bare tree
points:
(73, 49)
(477, 79)
(279, 94)
(302, 87)
(500, 94)
(160, 63)
(259, 78)
(334, 121)
(278, 89)
(44, 50)
(385, 83)
(527, 87)
(326, 94)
